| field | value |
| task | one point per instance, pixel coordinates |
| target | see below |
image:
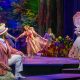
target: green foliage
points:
(33, 5)
(31, 12)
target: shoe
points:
(20, 77)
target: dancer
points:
(49, 35)
(75, 50)
(34, 41)
(15, 55)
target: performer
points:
(5, 70)
(34, 41)
(15, 56)
(49, 35)
(75, 50)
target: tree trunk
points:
(51, 15)
(42, 17)
(48, 18)
(60, 28)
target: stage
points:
(49, 60)
(51, 68)
(62, 76)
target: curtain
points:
(70, 8)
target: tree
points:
(60, 27)
(42, 16)
(51, 20)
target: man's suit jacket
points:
(5, 54)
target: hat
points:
(76, 19)
(3, 29)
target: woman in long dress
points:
(75, 50)
(34, 41)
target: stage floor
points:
(62, 76)
(49, 68)
(50, 60)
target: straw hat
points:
(3, 29)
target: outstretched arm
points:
(53, 36)
(23, 34)
(11, 36)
